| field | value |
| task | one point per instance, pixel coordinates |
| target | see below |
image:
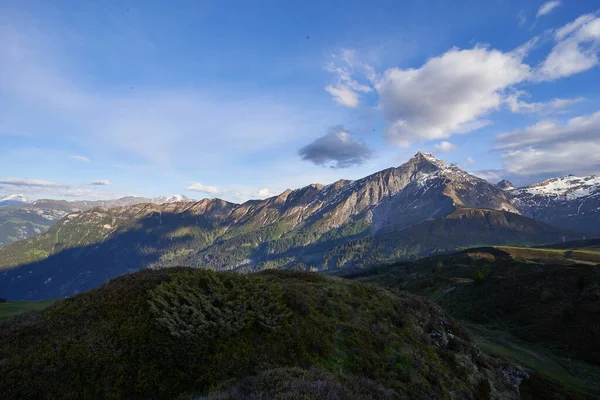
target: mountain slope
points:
(537, 306)
(315, 227)
(305, 332)
(25, 220)
(465, 227)
(570, 202)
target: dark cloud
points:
(337, 149)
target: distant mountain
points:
(13, 200)
(170, 199)
(24, 220)
(424, 206)
(82, 205)
(570, 202)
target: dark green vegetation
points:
(534, 306)
(163, 333)
(8, 309)
(296, 383)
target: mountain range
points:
(422, 207)
(21, 219)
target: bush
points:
(296, 383)
(439, 266)
(211, 305)
(479, 276)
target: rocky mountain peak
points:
(421, 159)
(505, 185)
(170, 199)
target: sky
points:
(241, 100)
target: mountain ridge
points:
(303, 228)
(21, 220)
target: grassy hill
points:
(535, 306)
(171, 332)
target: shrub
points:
(200, 305)
(479, 276)
(439, 266)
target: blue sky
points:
(243, 99)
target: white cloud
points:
(445, 147)
(343, 95)
(80, 158)
(517, 105)
(265, 192)
(89, 194)
(552, 147)
(29, 183)
(448, 94)
(583, 128)
(547, 7)
(576, 49)
(491, 175)
(344, 88)
(100, 182)
(198, 187)
(557, 159)
(470, 160)
(234, 194)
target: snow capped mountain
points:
(567, 187)
(570, 202)
(170, 199)
(13, 199)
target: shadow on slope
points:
(77, 269)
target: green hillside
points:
(541, 312)
(165, 333)
(463, 228)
